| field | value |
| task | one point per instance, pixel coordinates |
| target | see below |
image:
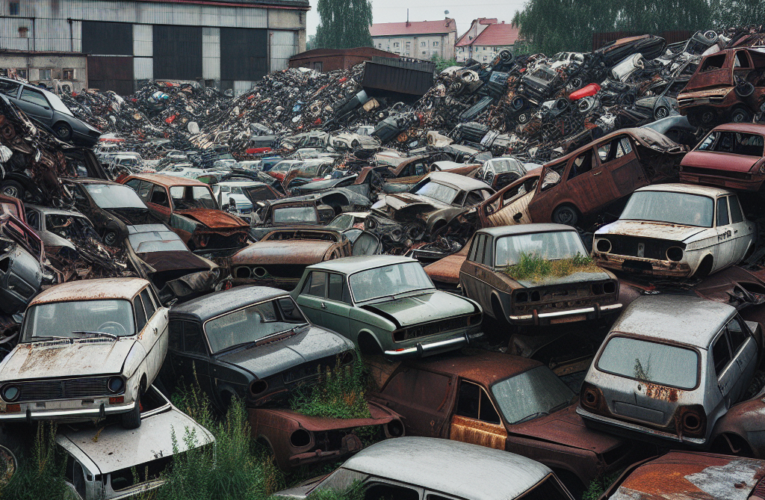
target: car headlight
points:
(603, 245)
(762, 168)
(115, 384)
(675, 254)
(11, 393)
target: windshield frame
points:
(88, 186)
(353, 295)
(44, 338)
(713, 200)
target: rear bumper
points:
(722, 181)
(422, 349)
(568, 316)
(633, 431)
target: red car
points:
(731, 156)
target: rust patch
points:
(472, 431)
(660, 392)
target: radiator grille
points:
(63, 389)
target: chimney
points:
(407, 19)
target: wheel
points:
(63, 131)
(744, 89)
(660, 112)
(13, 189)
(110, 238)
(132, 419)
(565, 214)
(707, 117)
(740, 115)
(524, 118)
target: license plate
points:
(568, 319)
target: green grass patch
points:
(40, 473)
(531, 267)
(599, 485)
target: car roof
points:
(149, 228)
(751, 128)
(451, 467)
(168, 180)
(524, 229)
(484, 367)
(241, 183)
(50, 210)
(685, 319)
(710, 191)
(215, 304)
(460, 182)
(350, 265)
(91, 180)
(97, 289)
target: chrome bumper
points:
(570, 312)
(73, 414)
(421, 349)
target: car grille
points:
(63, 389)
(431, 328)
(653, 249)
(560, 298)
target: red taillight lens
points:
(117, 400)
(13, 408)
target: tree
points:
(728, 13)
(310, 44)
(442, 64)
(344, 24)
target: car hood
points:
(571, 278)
(174, 261)
(446, 270)
(300, 252)
(408, 204)
(54, 359)
(719, 161)
(567, 428)
(424, 308)
(657, 230)
(309, 345)
(214, 219)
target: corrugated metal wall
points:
(243, 54)
(283, 46)
(114, 39)
(211, 53)
(177, 52)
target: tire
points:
(524, 118)
(660, 112)
(740, 115)
(566, 214)
(63, 131)
(707, 117)
(744, 89)
(13, 189)
(132, 419)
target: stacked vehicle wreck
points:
(556, 257)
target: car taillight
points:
(691, 421)
(591, 397)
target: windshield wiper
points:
(52, 337)
(532, 416)
(99, 334)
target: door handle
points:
(323, 305)
(155, 330)
(597, 173)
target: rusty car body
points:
(688, 475)
(95, 472)
(22, 255)
(88, 349)
(731, 156)
(593, 177)
(510, 205)
(298, 440)
(387, 305)
(678, 369)
(410, 468)
(445, 272)
(505, 402)
(552, 300)
(728, 85)
(280, 257)
(253, 343)
(676, 230)
(58, 228)
(189, 208)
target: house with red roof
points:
(485, 38)
(417, 39)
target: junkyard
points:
(494, 275)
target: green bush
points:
(40, 475)
(599, 485)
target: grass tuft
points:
(599, 485)
(534, 268)
(40, 475)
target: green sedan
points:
(387, 305)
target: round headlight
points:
(675, 254)
(762, 168)
(603, 245)
(115, 384)
(11, 393)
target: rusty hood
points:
(299, 252)
(719, 161)
(174, 261)
(214, 219)
(446, 270)
(408, 205)
(567, 428)
(423, 308)
(646, 229)
(54, 359)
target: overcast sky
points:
(391, 11)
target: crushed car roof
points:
(751, 128)
(214, 304)
(483, 366)
(97, 289)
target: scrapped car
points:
(727, 86)
(504, 402)
(387, 305)
(58, 228)
(111, 207)
(189, 208)
(280, 257)
(297, 439)
(95, 472)
(677, 230)
(499, 172)
(585, 292)
(688, 474)
(252, 343)
(510, 205)
(21, 259)
(539, 84)
(240, 197)
(731, 156)
(593, 177)
(410, 468)
(678, 369)
(87, 349)
(315, 169)
(445, 272)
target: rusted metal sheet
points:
(469, 430)
(382, 75)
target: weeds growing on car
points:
(535, 268)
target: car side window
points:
(193, 339)
(140, 314)
(33, 219)
(9, 88)
(721, 354)
(384, 491)
(147, 303)
(473, 198)
(318, 282)
(159, 196)
(133, 184)
(34, 97)
(735, 210)
(143, 190)
(487, 252)
(335, 288)
(737, 335)
(479, 253)
(473, 249)
(473, 402)
(722, 212)
(582, 164)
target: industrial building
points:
(228, 44)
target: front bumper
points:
(633, 431)
(63, 410)
(422, 349)
(641, 265)
(569, 316)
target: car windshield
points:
(57, 103)
(439, 192)
(507, 165)
(190, 197)
(673, 208)
(661, 364)
(157, 241)
(253, 323)
(535, 392)
(734, 143)
(62, 319)
(111, 196)
(389, 280)
(549, 246)
(285, 166)
(289, 215)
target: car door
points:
(154, 339)
(725, 250)
(473, 272)
(725, 368)
(619, 160)
(743, 230)
(312, 296)
(336, 308)
(34, 104)
(475, 419)
(589, 183)
(423, 398)
(187, 356)
(744, 349)
(159, 202)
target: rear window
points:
(661, 364)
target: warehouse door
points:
(110, 55)
(111, 73)
(177, 52)
(243, 55)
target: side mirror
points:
(517, 217)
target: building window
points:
(23, 32)
(424, 53)
(379, 45)
(14, 8)
(68, 74)
(21, 73)
(395, 45)
(435, 44)
(408, 45)
(423, 44)
(45, 74)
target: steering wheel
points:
(119, 329)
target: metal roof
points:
(214, 304)
(350, 265)
(484, 367)
(414, 28)
(499, 34)
(750, 128)
(525, 229)
(99, 289)
(710, 191)
(452, 467)
(684, 319)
